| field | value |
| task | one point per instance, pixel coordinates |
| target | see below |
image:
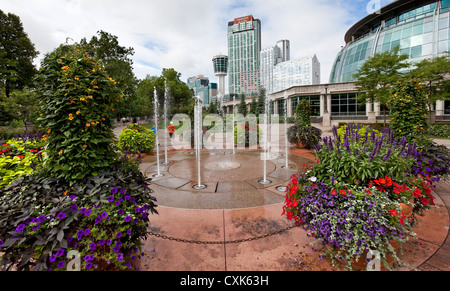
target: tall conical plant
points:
(77, 102)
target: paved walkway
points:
(235, 223)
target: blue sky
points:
(185, 35)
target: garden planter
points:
(300, 145)
(361, 264)
(407, 210)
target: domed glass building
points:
(420, 28)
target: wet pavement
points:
(235, 223)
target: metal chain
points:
(218, 242)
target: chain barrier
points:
(218, 242)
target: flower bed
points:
(355, 198)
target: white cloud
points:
(185, 35)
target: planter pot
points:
(300, 145)
(407, 210)
(361, 264)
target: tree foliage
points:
(16, 54)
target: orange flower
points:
(88, 124)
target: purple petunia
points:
(73, 207)
(60, 264)
(61, 215)
(101, 242)
(92, 246)
(88, 266)
(128, 232)
(121, 211)
(114, 190)
(110, 199)
(122, 191)
(127, 218)
(52, 258)
(98, 219)
(60, 252)
(119, 235)
(120, 257)
(104, 215)
(20, 227)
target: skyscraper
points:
(244, 46)
(270, 57)
(220, 63)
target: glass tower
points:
(244, 46)
(419, 28)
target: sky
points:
(186, 34)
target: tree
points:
(432, 74)
(242, 108)
(254, 106)
(261, 108)
(118, 65)
(23, 105)
(16, 54)
(143, 102)
(377, 76)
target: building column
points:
(371, 118)
(289, 107)
(439, 107)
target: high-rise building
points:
(298, 72)
(244, 46)
(202, 88)
(278, 72)
(270, 57)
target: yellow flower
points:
(60, 152)
(95, 87)
(70, 117)
(82, 99)
(65, 68)
(90, 97)
(88, 124)
(78, 112)
(65, 193)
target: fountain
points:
(285, 131)
(232, 128)
(166, 97)
(198, 138)
(155, 105)
(266, 148)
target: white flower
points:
(313, 179)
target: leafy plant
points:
(243, 133)
(102, 217)
(137, 139)
(77, 100)
(309, 136)
(303, 113)
(408, 110)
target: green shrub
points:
(408, 110)
(77, 98)
(242, 134)
(440, 130)
(358, 131)
(303, 113)
(18, 158)
(137, 139)
(309, 136)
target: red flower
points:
(417, 193)
(368, 192)
(343, 192)
(334, 192)
(393, 212)
(425, 201)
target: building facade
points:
(203, 88)
(220, 66)
(420, 28)
(298, 72)
(269, 58)
(244, 46)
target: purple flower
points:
(119, 235)
(1, 242)
(83, 210)
(101, 242)
(52, 258)
(117, 203)
(110, 199)
(41, 218)
(86, 231)
(104, 215)
(129, 232)
(61, 215)
(88, 266)
(87, 213)
(122, 191)
(116, 249)
(98, 205)
(127, 197)
(69, 239)
(121, 211)
(36, 227)
(73, 207)
(60, 264)
(72, 197)
(98, 219)
(60, 252)
(127, 218)
(114, 190)
(20, 227)
(137, 210)
(88, 258)
(92, 246)
(120, 257)
(108, 242)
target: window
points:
(314, 102)
(346, 105)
